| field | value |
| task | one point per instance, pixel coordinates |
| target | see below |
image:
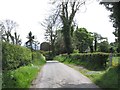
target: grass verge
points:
(23, 76)
(107, 79)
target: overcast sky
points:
(28, 14)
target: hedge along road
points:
(58, 75)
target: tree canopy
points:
(67, 11)
(114, 7)
(83, 40)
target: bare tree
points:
(51, 25)
(6, 27)
(36, 44)
(17, 39)
(2, 29)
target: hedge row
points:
(48, 55)
(38, 58)
(14, 56)
(95, 59)
(118, 54)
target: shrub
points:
(38, 58)
(75, 51)
(15, 74)
(48, 55)
(23, 76)
(94, 59)
(14, 56)
(99, 59)
(118, 54)
(20, 78)
(38, 55)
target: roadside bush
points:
(20, 78)
(118, 54)
(48, 55)
(18, 67)
(75, 51)
(38, 55)
(38, 58)
(96, 60)
(14, 56)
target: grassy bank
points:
(105, 78)
(23, 76)
(20, 65)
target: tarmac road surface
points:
(58, 75)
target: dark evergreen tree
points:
(114, 7)
(30, 40)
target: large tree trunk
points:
(67, 13)
(67, 38)
(53, 48)
(95, 46)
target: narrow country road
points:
(57, 75)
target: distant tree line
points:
(66, 36)
(7, 27)
(114, 8)
(9, 34)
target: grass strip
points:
(106, 79)
(21, 77)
